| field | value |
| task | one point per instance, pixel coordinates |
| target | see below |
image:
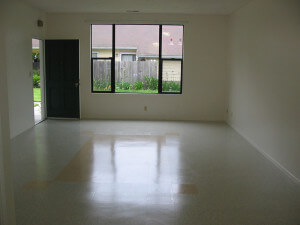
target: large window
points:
(137, 59)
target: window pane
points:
(137, 54)
(128, 57)
(172, 41)
(171, 76)
(102, 41)
(101, 75)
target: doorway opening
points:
(38, 80)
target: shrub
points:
(96, 85)
(138, 85)
(125, 86)
(100, 85)
(36, 81)
(171, 86)
(151, 83)
(36, 72)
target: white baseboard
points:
(259, 149)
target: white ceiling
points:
(144, 6)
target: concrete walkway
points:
(37, 112)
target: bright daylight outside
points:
(36, 79)
(137, 58)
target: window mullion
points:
(113, 69)
(160, 61)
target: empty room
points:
(150, 112)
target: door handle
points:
(76, 85)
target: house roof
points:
(145, 38)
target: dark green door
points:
(62, 78)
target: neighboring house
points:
(122, 54)
(35, 46)
(141, 43)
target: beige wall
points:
(265, 79)
(7, 211)
(20, 30)
(204, 75)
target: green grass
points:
(136, 91)
(37, 94)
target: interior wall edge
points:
(264, 80)
(284, 170)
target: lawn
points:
(136, 91)
(37, 94)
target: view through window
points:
(137, 58)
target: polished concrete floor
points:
(146, 173)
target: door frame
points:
(45, 77)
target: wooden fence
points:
(130, 71)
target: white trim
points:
(267, 156)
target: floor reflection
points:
(66, 173)
(129, 168)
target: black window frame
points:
(160, 60)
